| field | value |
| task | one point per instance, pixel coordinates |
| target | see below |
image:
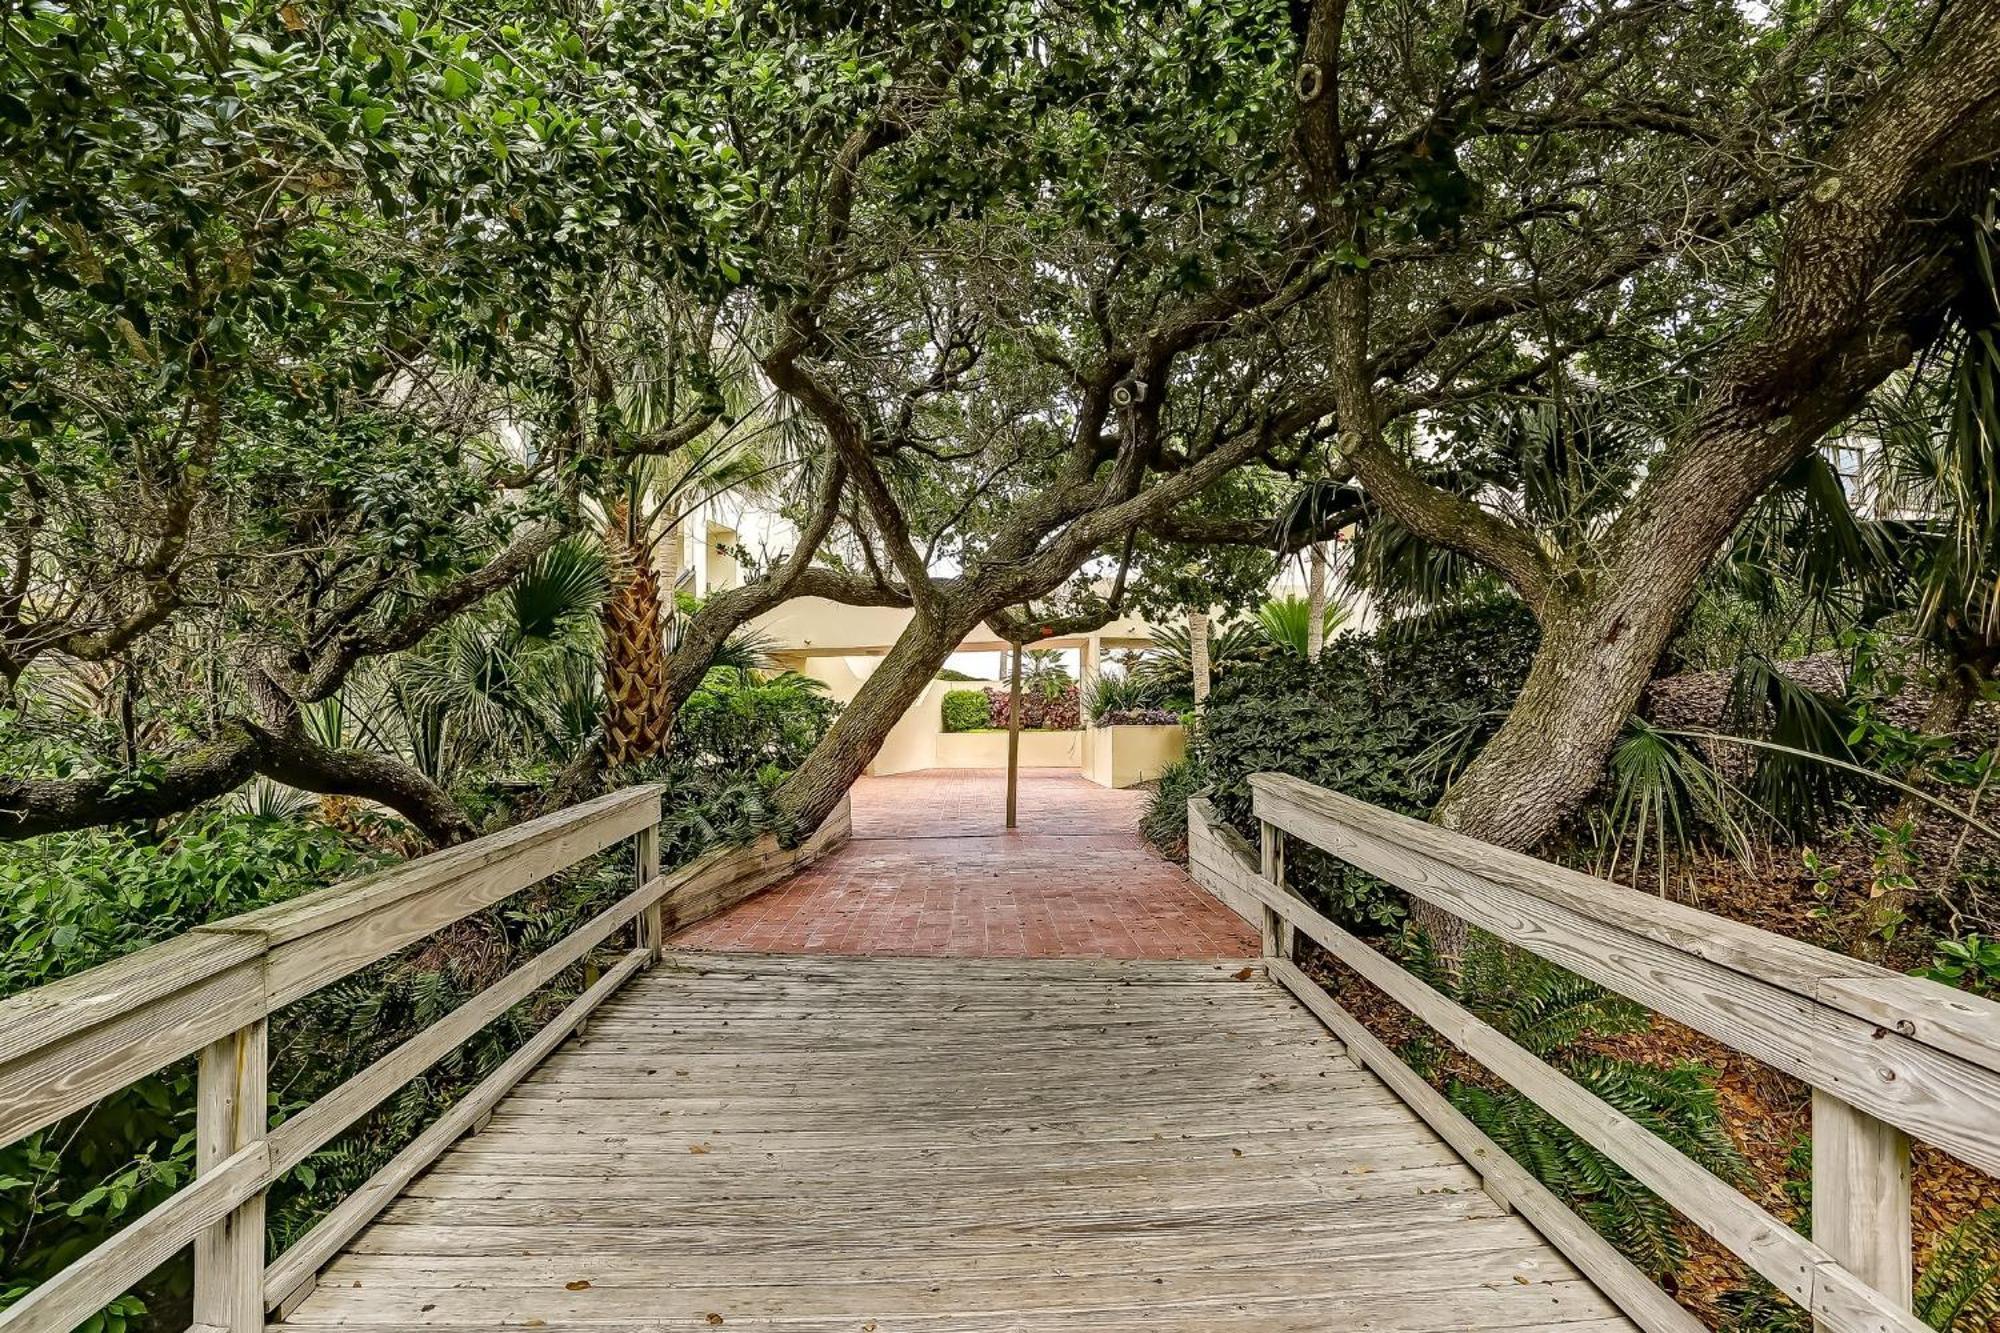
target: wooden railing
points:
(1887, 1056)
(211, 993)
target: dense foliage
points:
(79, 899)
(1382, 717)
(1056, 708)
(1165, 821)
(737, 738)
(360, 365)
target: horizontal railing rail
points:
(1887, 1056)
(211, 992)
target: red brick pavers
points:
(931, 871)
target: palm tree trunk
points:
(1197, 623)
(1315, 601)
(636, 714)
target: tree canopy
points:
(327, 324)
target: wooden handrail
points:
(1885, 1054)
(1764, 994)
(212, 991)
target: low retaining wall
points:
(716, 881)
(988, 749)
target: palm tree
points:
(1169, 668)
(1288, 624)
(1316, 610)
(1943, 460)
(1198, 668)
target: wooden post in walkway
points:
(1014, 738)
(1861, 1195)
(231, 1115)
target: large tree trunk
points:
(1603, 634)
(850, 745)
(1586, 678)
(1865, 271)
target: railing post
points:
(1861, 1195)
(1276, 931)
(231, 1115)
(646, 861)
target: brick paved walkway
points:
(931, 871)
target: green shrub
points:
(1165, 821)
(965, 710)
(73, 901)
(1381, 717)
(735, 724)
(736, 739)
(1969, 963)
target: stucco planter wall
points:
(988, 749)
(1126, 756)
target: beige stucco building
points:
(841, 646)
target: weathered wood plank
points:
(1861, 1196)
(1086, 1145)
(1794, 1265)
(320, 938)
(317, 1125)
(231, 1115)
(298, 1264)
(1629, 1289)
(1693, 967)
(65, 1045)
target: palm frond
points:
(563, 589)
(265, 799)
(1959, 1289)
(1663, 792)
(1285, 620)
(1765, 702)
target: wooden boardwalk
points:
(872, 1145)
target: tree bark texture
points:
(1866, 268)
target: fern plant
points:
(1959, 1289)
(1549, 1010)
